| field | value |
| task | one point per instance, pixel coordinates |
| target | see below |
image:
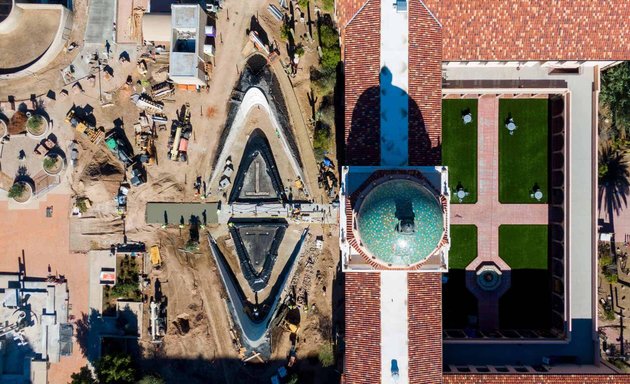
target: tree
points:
(84, 376)
(331, 52)
(614, 181)
(326, 355)
(615, 94)
(16, 190)
(151, 379)
(115, 369)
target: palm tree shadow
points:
(614, 183)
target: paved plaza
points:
(44, 244)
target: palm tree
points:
(614, 180)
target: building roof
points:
(362, 67)
(482, 30)
(363, 327)
(425, 86)
(425, 327)
(154, 27)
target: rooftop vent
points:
(401, 5)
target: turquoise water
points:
(381, 211)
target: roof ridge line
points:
(430, 12)
(356, 13)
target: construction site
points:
(194, 210)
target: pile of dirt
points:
(17, 124)
(101, 167)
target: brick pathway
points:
(487, 214)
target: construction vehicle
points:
(121, 199)
(156, 258)
(158, 329)
(138, 174)
(117, 143)
(162, 89)
(180, 135)
(95, 135)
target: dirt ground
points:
(618, 293)
(194, 291)
(49, 78)
(190, 281)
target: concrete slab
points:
(100, 25)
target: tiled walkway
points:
(487, 214)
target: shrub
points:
(612, 278)
(326, 114)
(116, 369)
(321, 139)
(331, 52)
(16, 190)
(50, 162)
(326, 355)
(82, 204)
(299, 50)
(151, 379)
(84, 376)
(609, 314)
(328, 5)
(285, 32)
(293, 379)
(34, 122)
(323, 81)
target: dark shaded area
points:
(257, 158)
(257, 244)
(527, 304)
(363, 145)
(458, 303)
(258, 311)
(364, 138)
(556, 251)
(255, 26)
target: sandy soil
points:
(190, 281)
(48, 78)
(40, 23)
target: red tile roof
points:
(425, 86)
(425, 327)
(535, 379)
(362, 67)
(362, 363)
(485, 30)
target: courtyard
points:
(496, 149)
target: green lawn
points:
(523, 156)
(524, 246)
(459, 146)
(463, 246)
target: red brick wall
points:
(363, 328)
(535, 379)
(425, 86)
(425, 328)
(362, 102)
